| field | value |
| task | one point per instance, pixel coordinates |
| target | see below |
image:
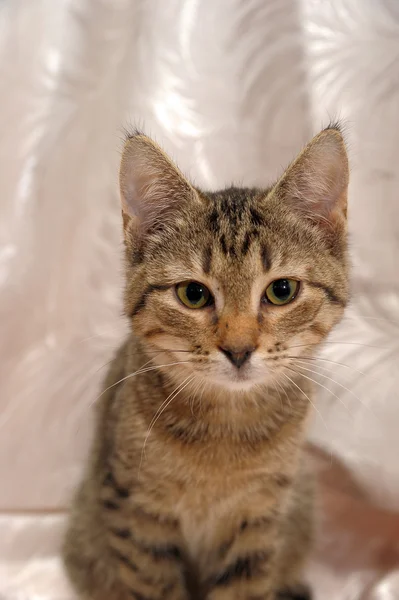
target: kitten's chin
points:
(237, 383)
(238, 386)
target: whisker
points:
(192, 397)
(142, 369)
(92, 337)
(306, 396)
(285, 392)
(154, 418)
(306, 359)
(340, 343)
(140, 372)
(327, 369)
(332, 370)
(155, 351)
(131, 354)
(191, 404)
(334, 362)
(161, 409)
(112, 360)
(203, 382)
(324, 387)
(202, 387)
(337, 383)
(280, 386)
(274, 380)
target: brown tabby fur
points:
(197, 487)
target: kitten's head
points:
(235, 285)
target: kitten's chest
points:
(207, 513)
(209, 490)
(210, 507)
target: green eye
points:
(281, 291)
(193, 294)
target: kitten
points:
(197, 486)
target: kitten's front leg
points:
(297, 592)
(148, 554)
(244, 566)
(114, 550)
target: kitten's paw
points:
(299, 592)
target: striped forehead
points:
(235, 224)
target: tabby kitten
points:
(197, 486)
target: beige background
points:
(231, 89)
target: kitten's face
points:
(237, 285)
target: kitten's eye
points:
(193, 294)
(281, 291)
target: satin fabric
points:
(231, 90)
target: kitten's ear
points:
(151, 186)
(316, 183)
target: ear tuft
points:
(131, 133)
(151, 186)
(316, 183)
(336, 126)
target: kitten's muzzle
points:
(238, 356)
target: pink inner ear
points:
(136, 177)
(316, 183)
(151, 185)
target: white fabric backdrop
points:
(231, 89)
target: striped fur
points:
(197, 485)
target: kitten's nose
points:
(238, 356)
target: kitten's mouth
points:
(237, 379)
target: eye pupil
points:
(195, 292)
(282, 289)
